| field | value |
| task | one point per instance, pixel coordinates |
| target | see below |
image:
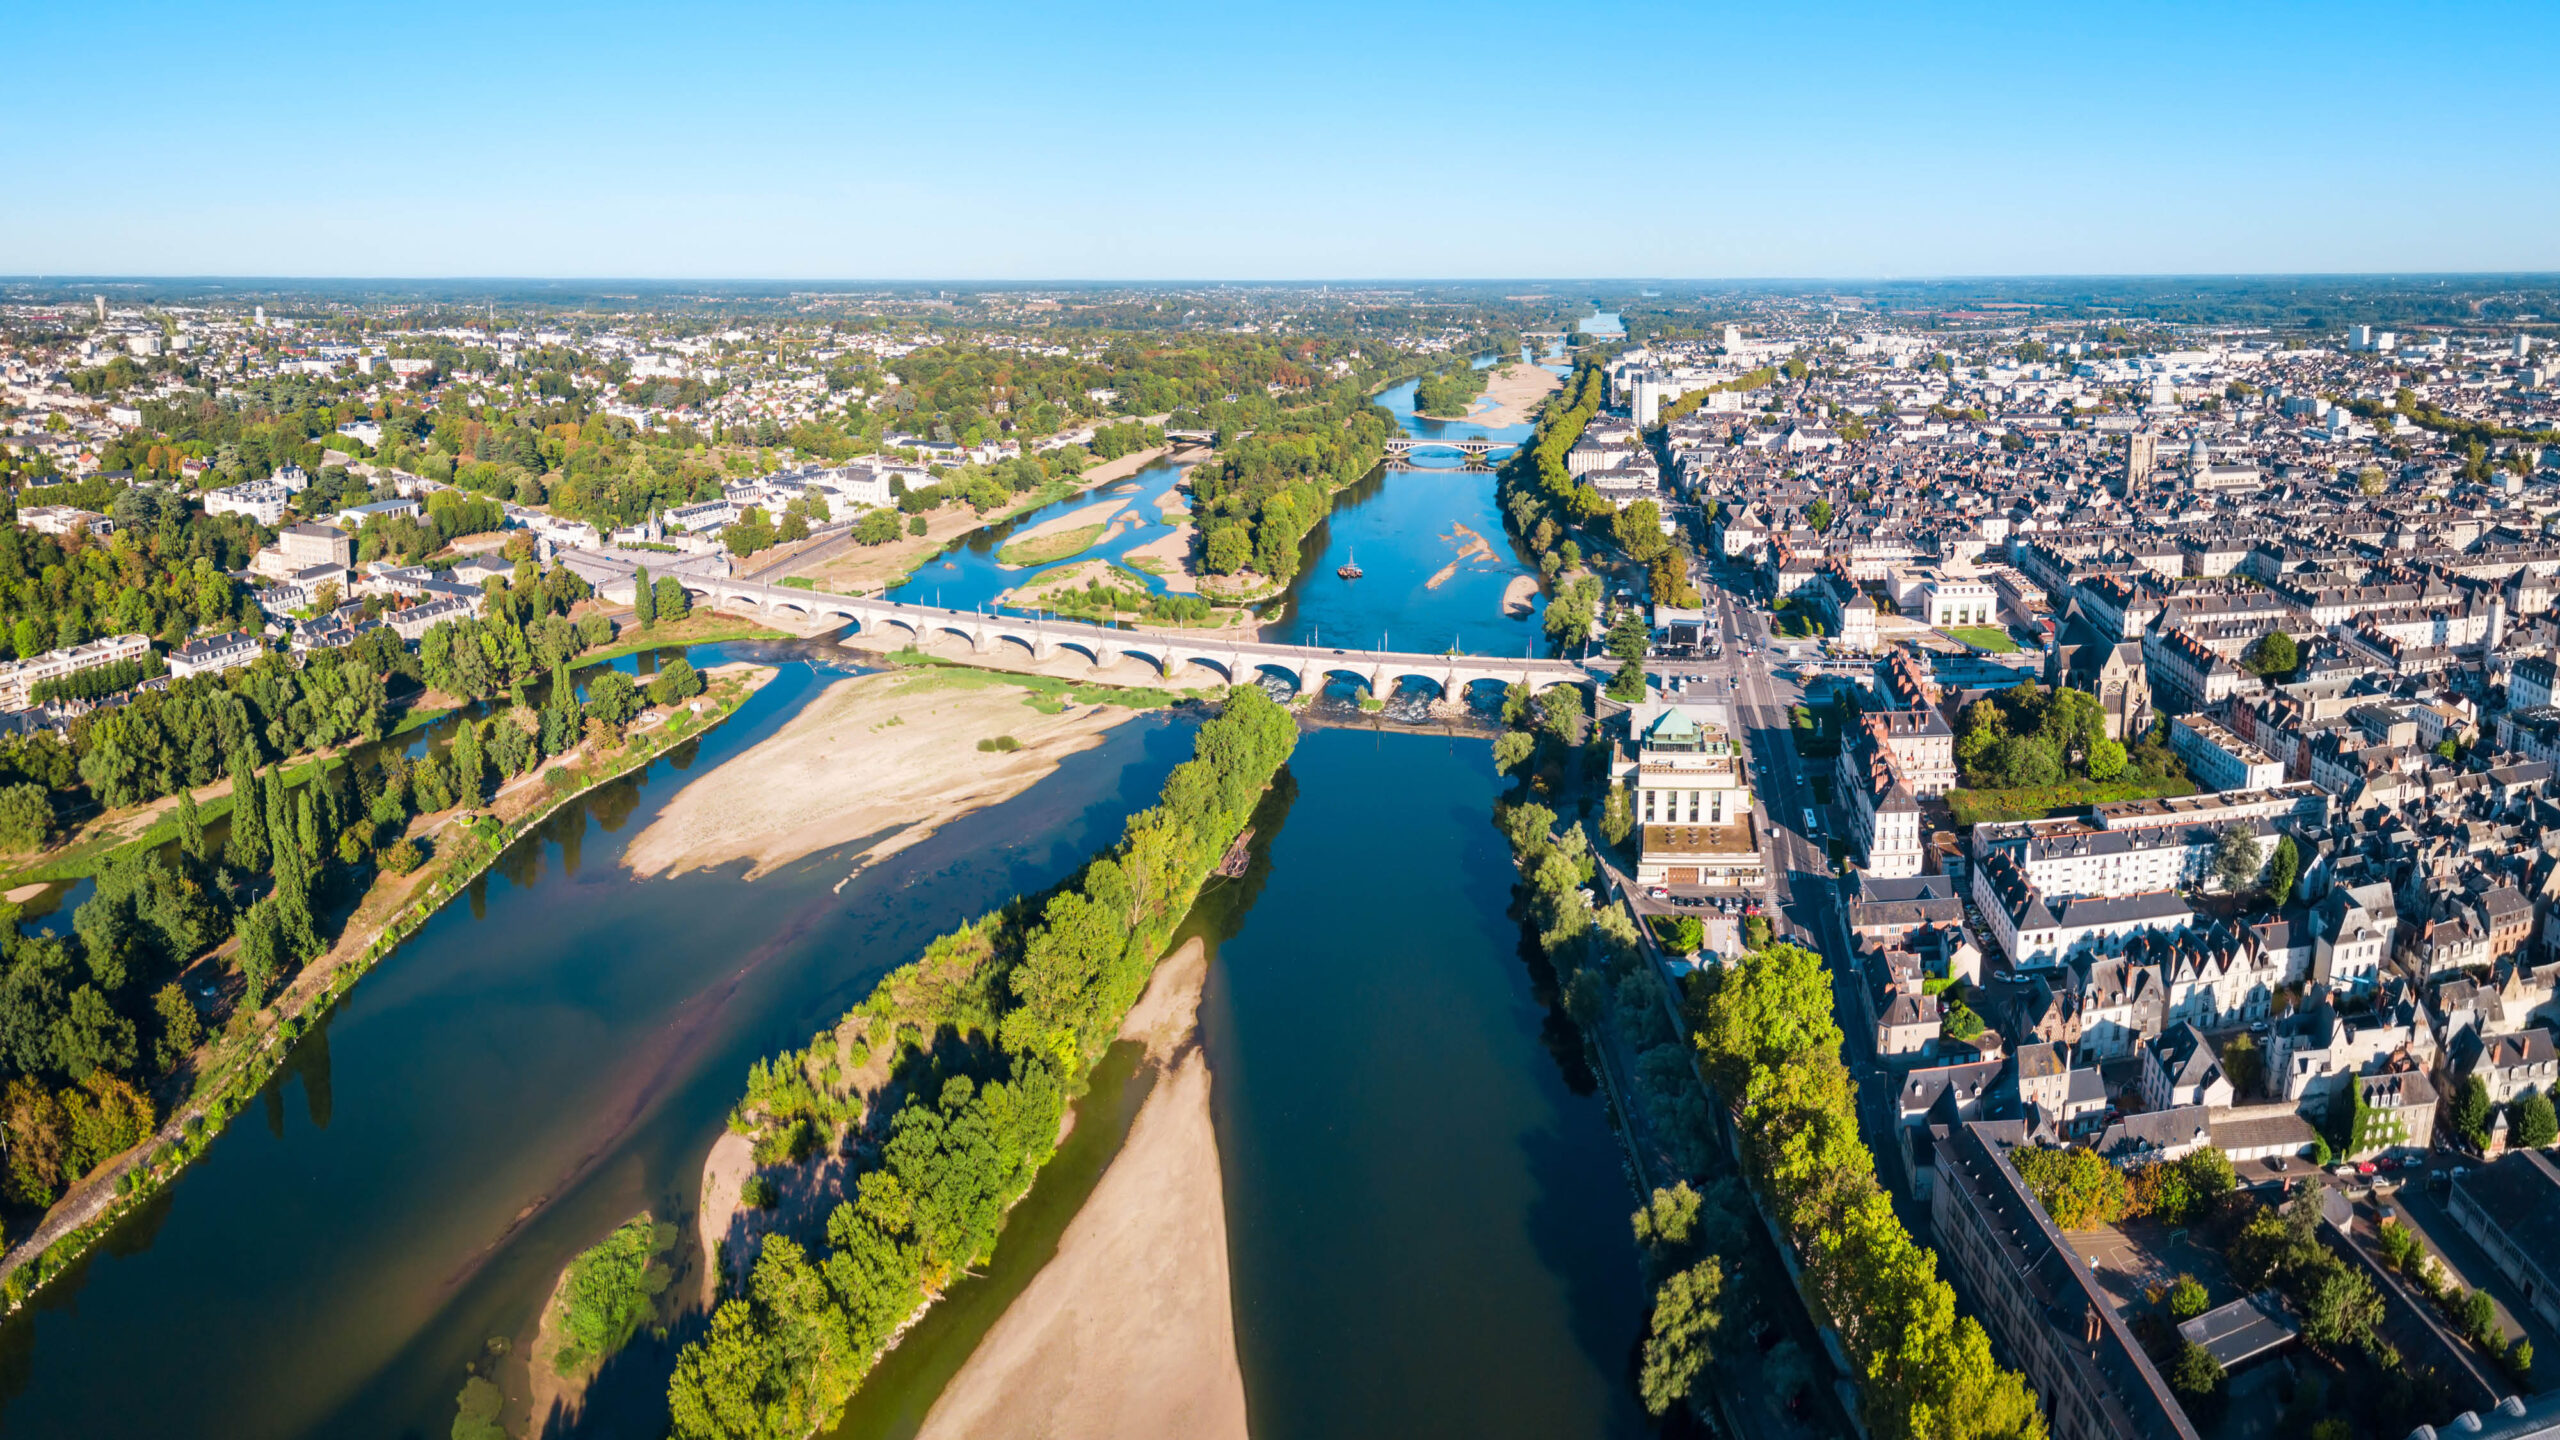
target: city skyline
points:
(1485, 142)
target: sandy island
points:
(1520, 596)
(1129, 1330)
(1471, 546)
(1511, 394)
(876, 753)
(1076, 519)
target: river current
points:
(1427, 1210)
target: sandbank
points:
(1076, 519)
(1129, 1330)
(1173, 551)
(1520, 596)
(874, 754)
(1514, 391)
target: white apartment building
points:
(2221, 759)
(1692, 803)
(18, 678)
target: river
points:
(1427, 1210)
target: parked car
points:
(2365, 1167)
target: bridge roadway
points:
(1232, 660)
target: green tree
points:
(2343, 1310)
(2238, 857)
(1819, 513)
(181, 1029)
(1560, 712)
(2471, 1112)
(644, 599)
(2077, 1187)
(2187, 1299)
(2273, 654)
(2284, 870)
(676, 681)
(1666, 1224)
(1618, 815)
(673, 603)
(26, 816)
(2531, 1123)
(1627, 686)
(1686, 1315)
(2197, 1377)
(2106, 760)
(1510, 748)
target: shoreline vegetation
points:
(1511, 394)
(1129, 1329)
(452, 845)
(945, 1091)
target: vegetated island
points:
(1055, 539)
(1446, 394)
(895, 752)
(602, 1299)
(1130, 1327)
(949, 1085)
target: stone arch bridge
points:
(1232, 660)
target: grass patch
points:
(799, 582)
(1796, 625)
(2036, 802)
(1049, 549)
(1983, 637)
(702, 627)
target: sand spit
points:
(1172, 550)
(1076, 519)
(876, 753)
(1130, 1329)
(1515, 391)
(1520, 596)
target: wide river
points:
(1427, 1210)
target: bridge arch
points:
(1437, 684)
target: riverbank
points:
(245, 1055)
(894, 756)
(1130, 1327)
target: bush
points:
(1001, 744)
(404, 857)
(2187, 1299)
(758, 1193)
(26, 816)
(678, 681)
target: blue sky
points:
(1307, 141)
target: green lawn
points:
(1983, 637)
(2035, 802)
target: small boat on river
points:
(1352, 570)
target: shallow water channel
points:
(1427, 1211)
